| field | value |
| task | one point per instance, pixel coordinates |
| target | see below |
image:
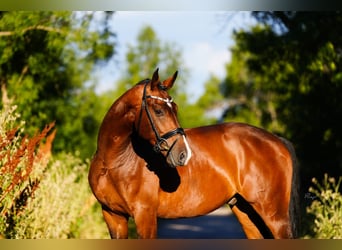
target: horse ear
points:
(155, 79)
(168, 83)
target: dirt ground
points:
(220, 224)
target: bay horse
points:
(146, 166)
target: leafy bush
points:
(39, 198)
(62, 198)
(19, 168)
(326, 208)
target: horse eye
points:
(159, 112)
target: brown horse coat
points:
(246, 166)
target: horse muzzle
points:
(179, 153)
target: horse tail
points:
(294, 209)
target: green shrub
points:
(326, 208)
(63, 206)
(20, 168)
(43, 199)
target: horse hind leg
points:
(117, 224)
(259, 225)
(251, 222)
(251, 231)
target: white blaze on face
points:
(188, 150)
(169, 104)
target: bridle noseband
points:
(161, 144)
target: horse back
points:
(250, 156)
(232, 135)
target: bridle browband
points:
(161, 144)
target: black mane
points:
(145, 81)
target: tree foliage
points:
(46, 59)
(149, 53)
(286, 76)
(146, 55)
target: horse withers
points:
(147, 166)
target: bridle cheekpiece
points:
(161, 141)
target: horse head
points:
(157, 121)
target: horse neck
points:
(116, 129)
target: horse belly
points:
(193, 200)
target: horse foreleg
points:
(117, 224)
(146, 223)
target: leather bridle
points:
(161, 141)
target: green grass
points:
(132, 230)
